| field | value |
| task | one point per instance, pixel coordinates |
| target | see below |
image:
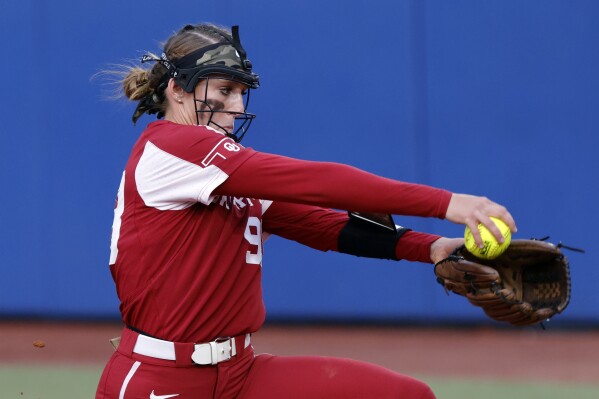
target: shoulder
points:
(200, 145)
(166, 130)
(175, 138)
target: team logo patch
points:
(231, 147)
(220, 150)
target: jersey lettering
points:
(253, 235)
(229, 202)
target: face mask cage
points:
(208, 107)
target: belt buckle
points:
(214, 352)
(218, 347)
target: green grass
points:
(64, 382)
(489, 389)
(43, 382)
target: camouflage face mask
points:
(227, 58)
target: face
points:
(218, 101)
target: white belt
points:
(214, 352)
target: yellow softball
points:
(491, 248)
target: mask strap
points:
(173, 72)
(237, 44)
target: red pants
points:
(246, 376)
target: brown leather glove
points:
(528, 284)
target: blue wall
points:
(490, 98)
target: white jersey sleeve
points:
(167, 182)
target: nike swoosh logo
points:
(154, 396)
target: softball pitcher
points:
(193, 209)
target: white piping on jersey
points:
(167, 182)
(215, 152)
(265, 205)
(128, 378)
(116, 222)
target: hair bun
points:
(135, 84)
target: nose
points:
(237, 104)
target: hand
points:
(471, 210)
(443, 247)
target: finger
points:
(509, 220)
(492, 227)
(473, 226)
(502, 213)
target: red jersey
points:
(186, 248)
(186, 263)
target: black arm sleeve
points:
(362, 238)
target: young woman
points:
(193, 208)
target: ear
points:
(174, 92)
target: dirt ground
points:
(514, 354)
